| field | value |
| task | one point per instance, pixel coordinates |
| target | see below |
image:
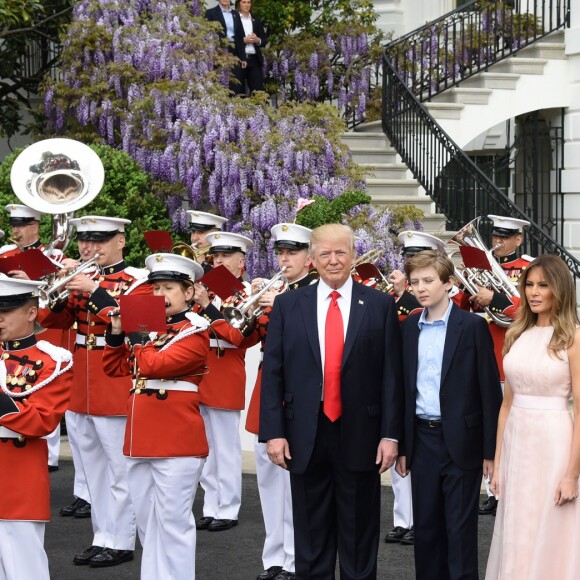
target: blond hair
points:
(564, 316)
(332, 232)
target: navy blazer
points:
(470, 393)
(216, 15)
(371, 381)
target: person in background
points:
(506, 237)
(291, 247)
(35, 387)
(254, 40)
(222, 395)
(199, 225)
(233, 32)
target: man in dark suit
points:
(233, 32)
(331, 408)
(452, 401)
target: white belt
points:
(98, 340)
(540, 403)
(6, 433)
(165, 385)
(214, 343)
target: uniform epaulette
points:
(8, 248)
(56, 353)
(527, 258)
(137, 273)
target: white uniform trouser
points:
(80, 488)
(53, 442)
(112, 513)
(162, 491)
(276, 501)
(221, 477)
(22, 555)
(403, 506)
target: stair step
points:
(545, 49)
(466, 96)
(422, 202)
(370, 156)
(370, 127)
(445, 110)
(493, 80)
(365, 140)
(521, 65)
(385, 171)
(400, 187)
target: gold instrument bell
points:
(188, 251)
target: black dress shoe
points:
(395, 535)
(270, 573)
(221, 525)
(488, 507)
(203, 523)
(409, 538)
(52, 468)
(71, 508)
(83, 559)
(285, 575)
(109, 557)
(83, 510)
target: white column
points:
(571, 175)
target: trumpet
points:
(55, 291)
(239, 316)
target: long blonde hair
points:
(564, 316)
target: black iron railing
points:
(458, 187)
(470, 39)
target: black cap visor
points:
(96, 236)
(225, 249)
(12, 302)
(168, 275)
(290, 245)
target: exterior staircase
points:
(534, 78)
(389, 181)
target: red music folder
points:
(367, 271)
(222, 282)
(474, 258)
(158, 240)
(143, 313)
(33, 262)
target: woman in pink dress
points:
(537, 460)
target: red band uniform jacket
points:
(225, 385)
(163, 423)
(95, 393)
(25, 491)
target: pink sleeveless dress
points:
(533, 538)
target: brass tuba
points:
(57, 176)
(471, 278)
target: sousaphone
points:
(57, 176)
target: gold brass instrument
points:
(239, 316)
(55, 290)
(471, 278)
(188, 251)
(370, 257)
(57, 176)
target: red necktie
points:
(333, 348)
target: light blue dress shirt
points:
(229, 19)
(430, 361)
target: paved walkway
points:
(233, 554)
